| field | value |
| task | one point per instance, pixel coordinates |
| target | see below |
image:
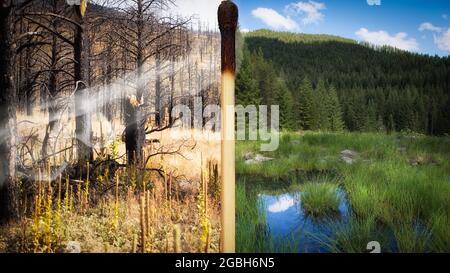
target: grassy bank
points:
(398, 183)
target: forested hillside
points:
(331, 83)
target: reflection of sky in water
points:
(282, 204)
(288, 222)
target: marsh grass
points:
(411, 237)
(353, 237)
(440, 232)
(320, 199)
(251, 227)
(400, 182)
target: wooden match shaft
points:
(228, 18)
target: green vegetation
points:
(251, 223)
(329, 83)
(354, 236)
(398, 188)
(320, 199)
(377, 102)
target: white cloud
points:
(443, 41)
(281, 205)
(399, 40)
(204, 10)
(441, 36)
(275, 20)
(245, 30)
(310, 11)
(429, 26)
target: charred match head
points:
(228, 16)
(228, 19)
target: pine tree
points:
(267, 83)
(370, 124)
(305, 106)
(335, 113)
(247, 92)
(404, 110)
(285, 101)
(380, 125)
(322, 107)
(391, 124)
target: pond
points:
(288, 222)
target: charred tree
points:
(83, 126)
(135, 130)
(143, 38)
(108, 73)
(134, 115)
(52, 84)
(8, 197)
(172, 90)
(65, 52)
(158, 91)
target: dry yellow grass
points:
(96, 231)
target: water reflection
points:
(288, 222)
(282, 204)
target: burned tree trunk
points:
(107, 108)
(134, 131)
(158, 91)
(52, 87)
(83, 130)
(8, 197)
(134, 115)
(28, 82)
(172, 89)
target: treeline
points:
(323, 82)
(258, 83)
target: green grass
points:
(251, 223)
(383, 187)
(411, 238)
(320, 199)
(354, 236)
(440, 231)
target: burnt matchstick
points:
(228, 18)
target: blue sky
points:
(415, 25)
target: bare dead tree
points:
(55, 56)
(8, 197)
(83, 126)
(144, 36)
(48, 20)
